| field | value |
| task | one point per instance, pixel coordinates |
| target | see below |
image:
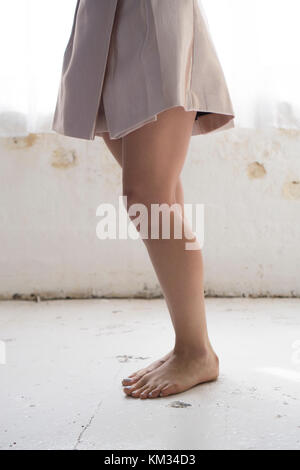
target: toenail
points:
(128, 387)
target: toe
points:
(129, 381)
(132, 388)
(137, 393)
(128, 390)
(132, 375)
(137, 376)
(155, 393)
(170, 389)
(145, 394)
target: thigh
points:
(154, 155)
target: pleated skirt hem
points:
(207, 121)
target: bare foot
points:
(133, 378)
(179, 373)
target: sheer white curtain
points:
(33, 35)
(257, 42)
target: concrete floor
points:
(60, 387)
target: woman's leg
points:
(153, 157)
(115, 147)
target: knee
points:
(150, 209)
(134, 195)
(147, 196)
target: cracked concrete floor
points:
(60, 387)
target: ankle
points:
(204, 350)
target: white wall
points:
(51, 186)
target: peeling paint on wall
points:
(290, 132)
(20, 143)
(256, 170)
(291, 190)
(62, 158)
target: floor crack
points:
(86, 427)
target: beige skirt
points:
(129, 60)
